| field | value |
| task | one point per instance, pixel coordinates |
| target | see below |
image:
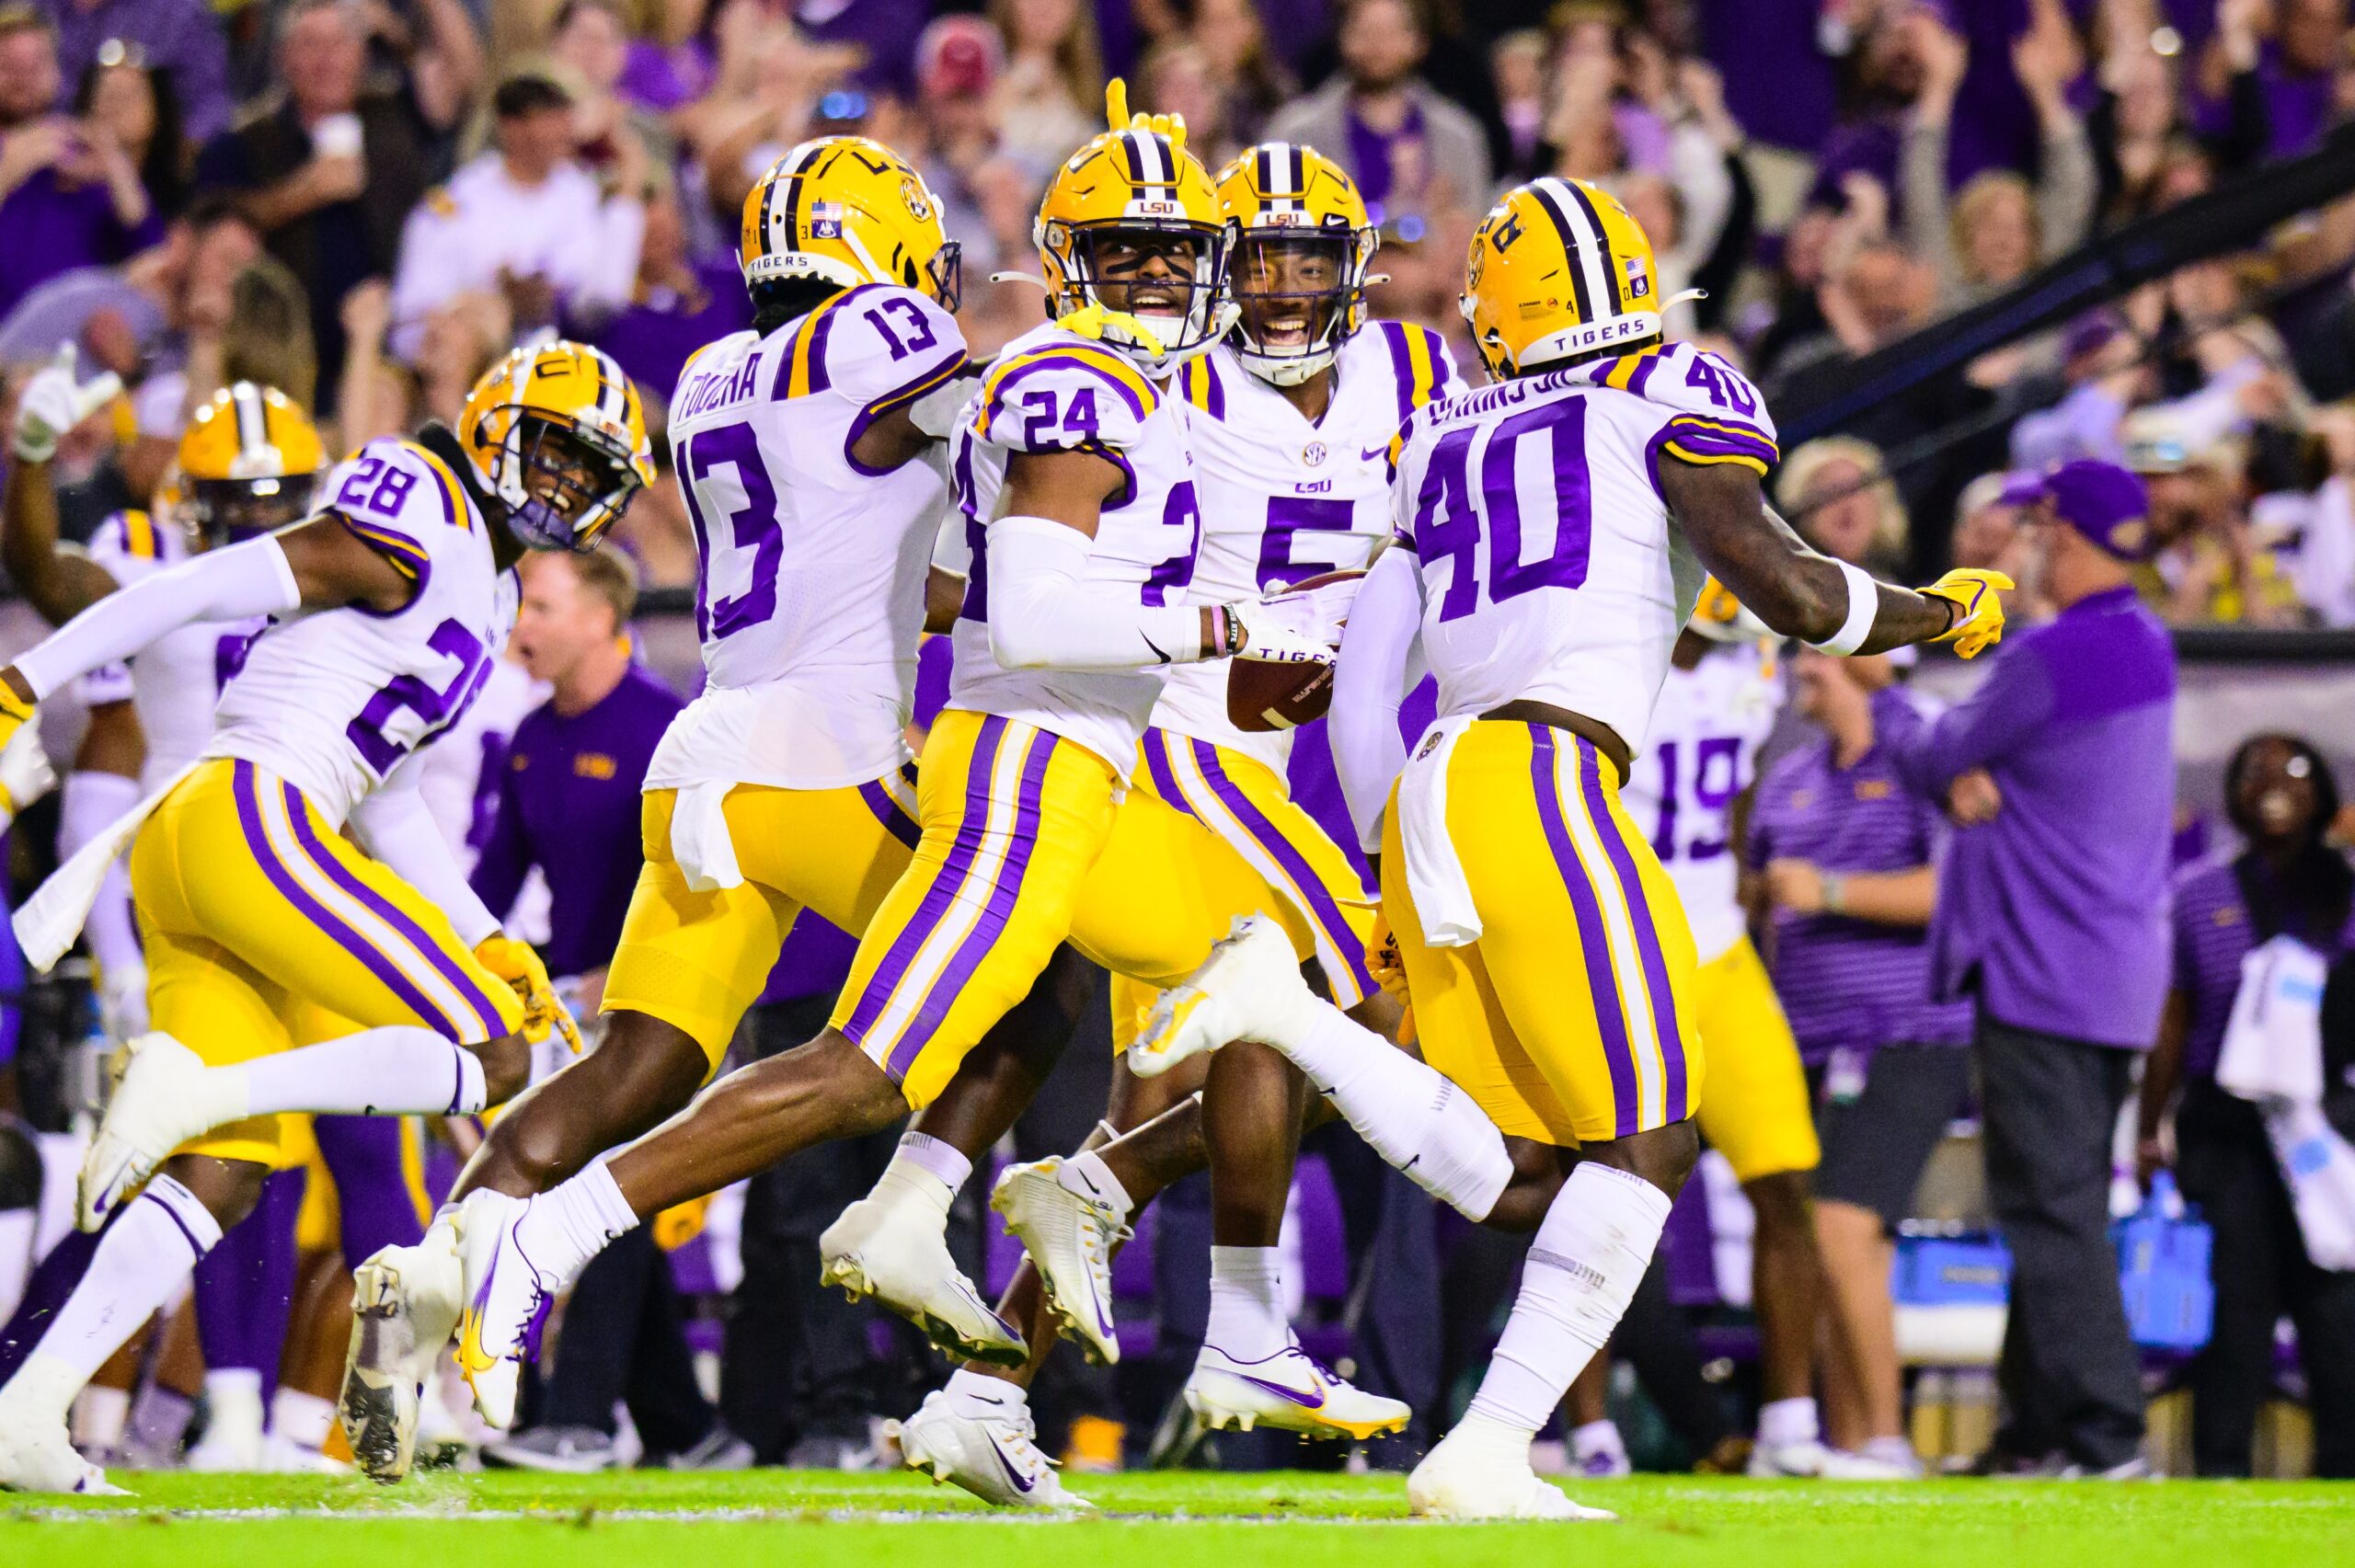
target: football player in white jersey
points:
(245, 465)
(1073, 470)
(1292, 417)
(385, 609)
(1554, 530)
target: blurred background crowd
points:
(364, 203)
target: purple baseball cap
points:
(2104, 502)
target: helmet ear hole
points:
(908, 274)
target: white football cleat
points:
(168, 1095)
(1288, 1391)
(993, 1453)
(507, 1301)
(1465, 1478)
(233, 1443)
(1842, 1464)
(896, 1253)
(1069, 1235)
(405, 1305)
(1249, 988)
(1805, 1458)
(36, 1456)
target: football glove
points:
(25, 772)
(1389, 971)
(53, 403)
(515, 963)
(1318, 614)
(1977, 596)
(16, 716)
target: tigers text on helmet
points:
(846, 210)
(1303, 245)
(558, 434)
(1560, 272)
(248, 463)
(1130, 230)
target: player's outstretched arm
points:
(1796, 591)
(1369, 682)
(57, 581)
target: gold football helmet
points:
(1720, 617)
(1303, 245)
(1560, 272)
(248, 463)
(558, 434)
(848, 211)
(1130, 233)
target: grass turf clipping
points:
(715, 1520)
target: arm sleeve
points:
(90, 804)
(394, 825)
(1369, 682)
(234, 584)
(2015, 700)
(505, 859)
(1043, 616)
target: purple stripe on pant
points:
(1006, 891)
(245, 1285)
(342, 935)
(449, 969)
(1603, 983)
(1156, 762)
(1655, 962)
(363, 1155)
(1321, 907)
(46, 1292)
(971, 827)
(887, 811)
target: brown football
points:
(1263, 697)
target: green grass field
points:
(651, 1519)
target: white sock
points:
(1597, 1440)
(300, 1419)
(232, 1405)
(99, 1417)
(979, 1394)
(920, 1155)
(563, 1227)
(1088, 1175)
(1589, 1256)
(1414, 1116)
(18, 1228)
(1248, 1302)
(1786, 1421)
(396, 1070)
(148, 1250)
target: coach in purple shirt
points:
(2052, 914)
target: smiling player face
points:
(1146, 271)
(1288, 291)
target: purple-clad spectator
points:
(2299, 72)
(885, 31)
(1409, 148)
(680, 304)
(1780, 82)
(183, 36)
(2286, 880)
(69, 197)
(2058, 771)
(1847, 856)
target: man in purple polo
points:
(2059, 773)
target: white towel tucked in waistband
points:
(1434, 875)
(53, 917)
(699, 839)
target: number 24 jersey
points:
(1551, 569)
(333, 700)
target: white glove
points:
(122, 1000)
(25, 772)
(1273, 634)
(1317, 613)
(55, 401)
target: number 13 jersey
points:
(809, 588)
(333, 700)
(1551, 569)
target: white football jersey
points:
(333, 700)
(1283, 499)
(173, 682)
(1707, 728)
(810, 595)
(1054, 391)
(1550, 567)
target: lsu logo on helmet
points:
(846, 210)
(248, 463)
(1560, 272)
(559, 435)
(1303, 245)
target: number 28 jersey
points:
(1055, 391)
(1283, 499)
(809, 589)
(333, 700)
(1551, 569)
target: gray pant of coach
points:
(2071, 1381)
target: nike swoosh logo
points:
(1157, 654)
(1371, 452)
(1006, 1465)
(1315, 1400)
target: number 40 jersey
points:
(333, 700)
(1551, 569)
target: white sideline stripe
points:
(573, 1516)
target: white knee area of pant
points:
(1592, 1249)
(1463, 1161)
